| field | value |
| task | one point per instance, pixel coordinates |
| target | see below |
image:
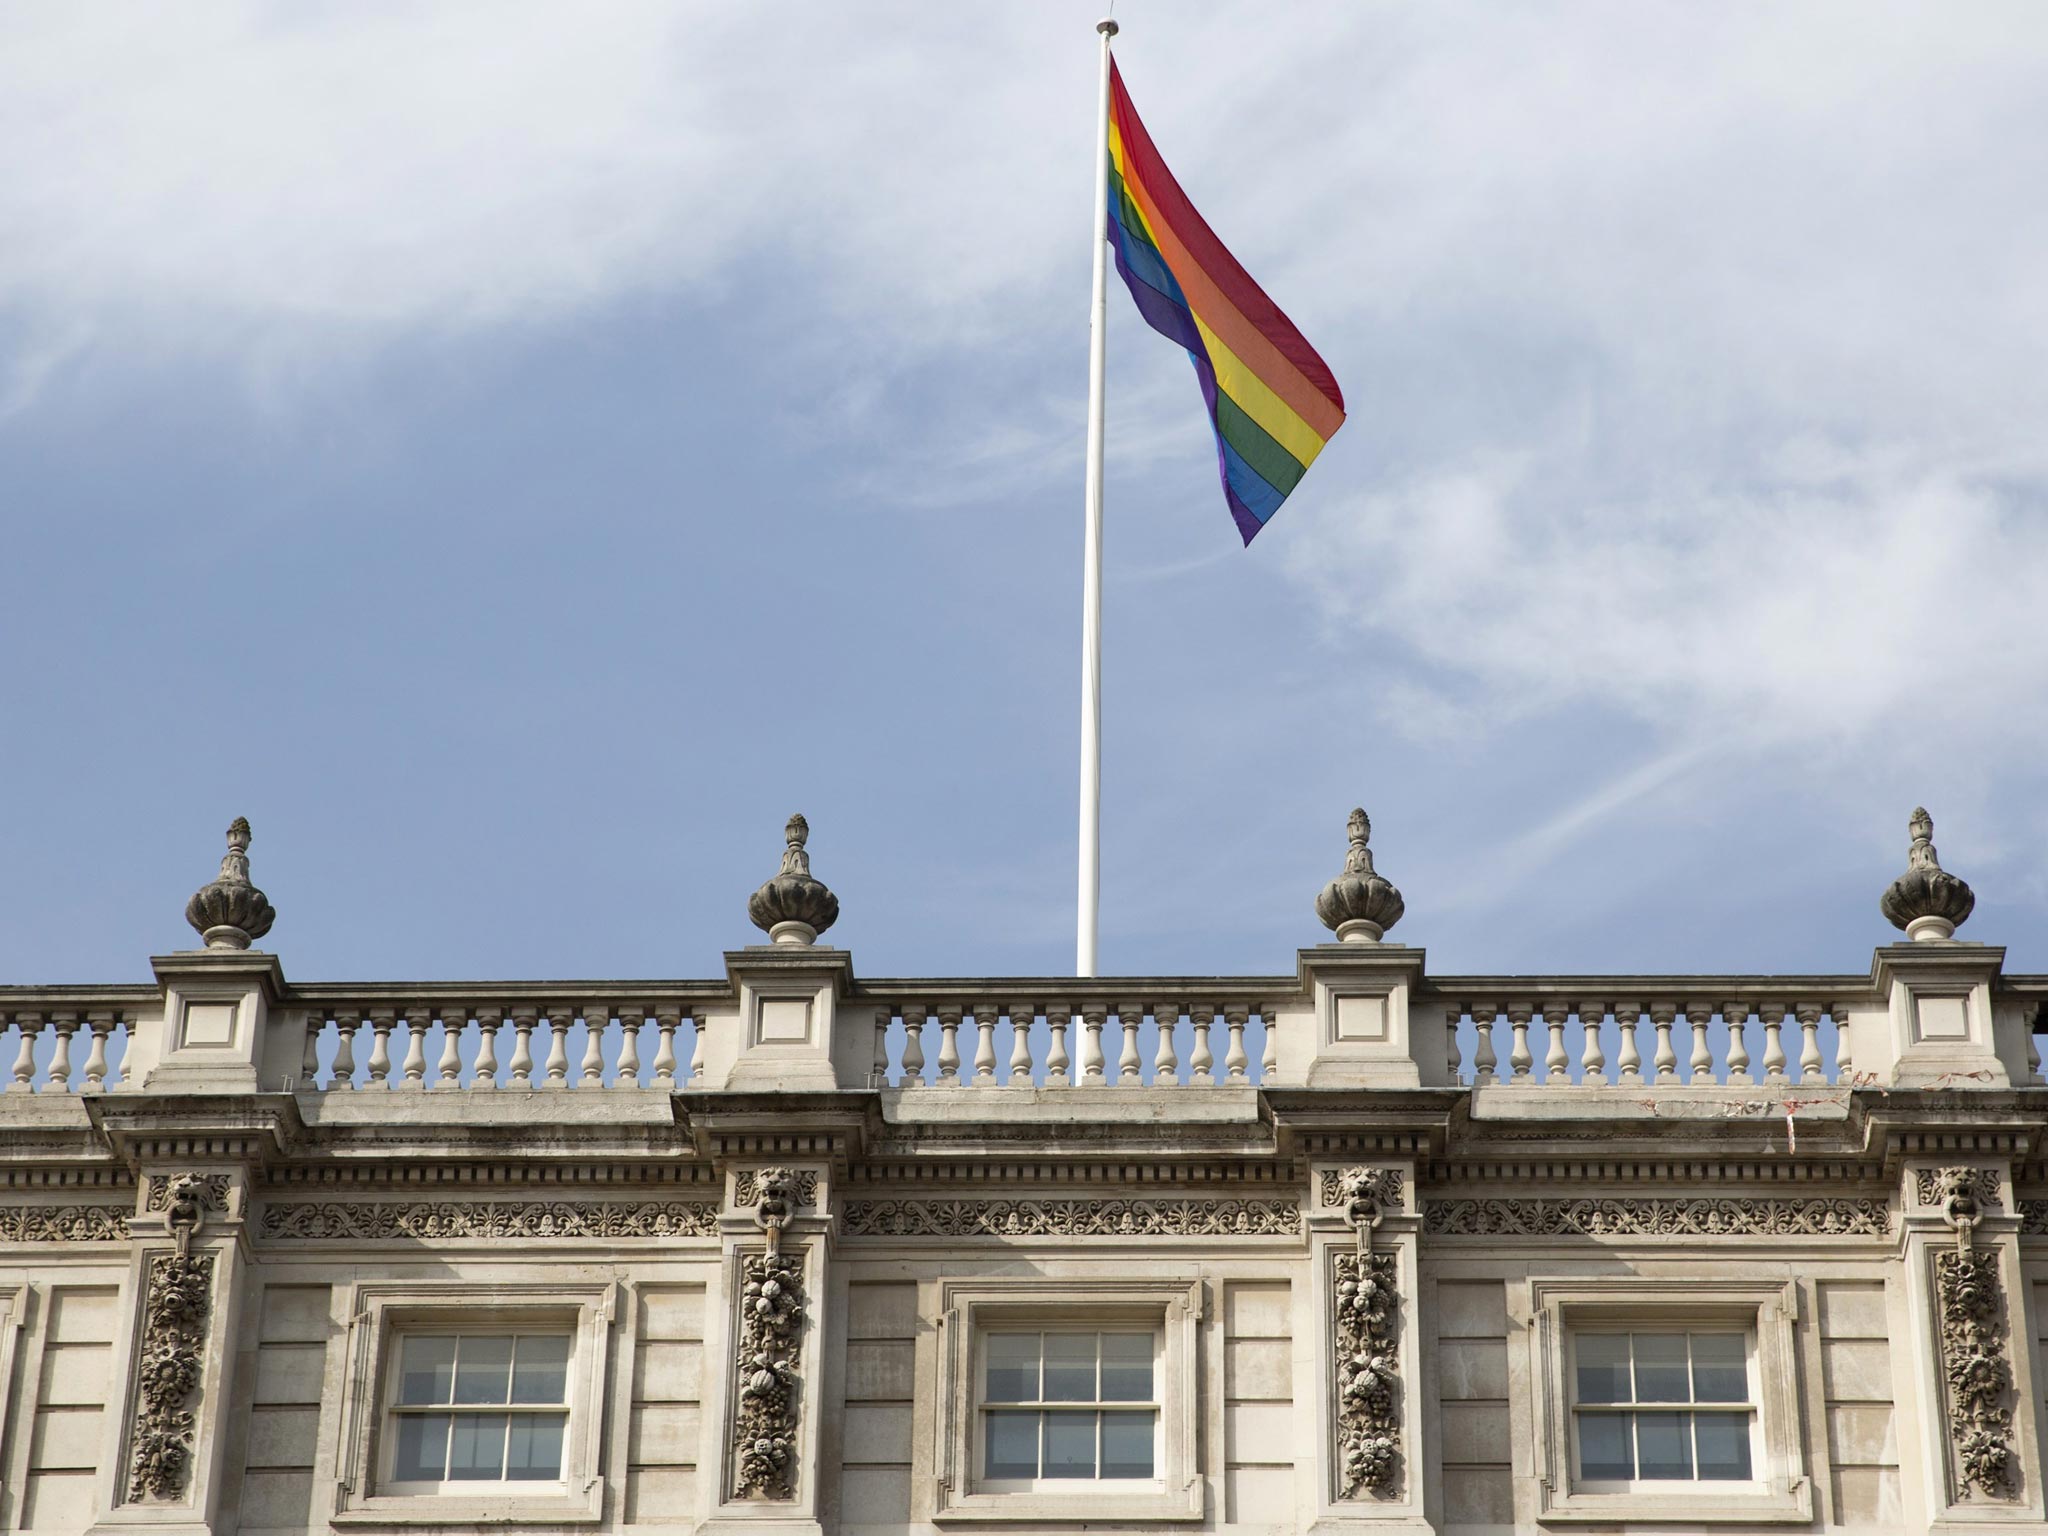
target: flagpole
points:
(1091, 568)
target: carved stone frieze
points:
(2033, 1218)
(176, 1307)
(64, 1223)
(746, 1185)
(427, 1220)
(1072, 1218)
(770, 1358)
(1658, 1216)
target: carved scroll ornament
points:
(1367, 1340)
(1975, 1365)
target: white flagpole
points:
(1091, 569)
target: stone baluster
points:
(1628, 1018)
(913, 1045)
(1166, 1059)
(1773, 1016)
(1556, 1064)
(878, 1074)
(1845, 1064)
(1736, 1017)
(949, 1045)
(381, 1022)
(985, 1016)
(1808, 1015)
(1130, 1072)
(448, 1071)
(667, 1019)
(1202, 1061)
(1698, 1015)
(58, 1079)
(346, 1022)
(698, 1026)
(524, 1018)
(597, 1018)
(1520, 1062)
(559, 1017)
(1485, 1064)
(1592, 1053)
(1022, 1015)
(1663, 1016)
(1236, 1015)
(101, 1025)
(31, 1025)
(632, 1018)
(1093, 1017)
(1269, 1054)
(1058, 1016)
(309, 1058)
(484, 1070)
(413, 1071)
(2031, 1018)
(1454, 1057)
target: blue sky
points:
(517, 458)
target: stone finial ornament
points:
(794, 908)
(1927, 901)
(1360, 905)
(231, 913)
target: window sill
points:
(408, 1511)
(1694, 1506)
(1070, 1508)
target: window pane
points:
(483, 1368)
(1664, 1445)
(1603, 1367)
(1069, 1444)
(1724, 1446)
(540, 1369)
(476, 1447)
(1605, 1454)
(1660, 1369)
(1127, 1444)
(1126, 1370)
(1720, 1371)
(534, 1453)
(426, 1368)
(1011, 1449)
(421, 1455)
(1012, 1369)
(1069, 1368)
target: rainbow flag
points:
(1271, 399)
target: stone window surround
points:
(970, 1307)
(1768, 1309)
(380, 1311)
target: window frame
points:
(972, 1309)
(383, 1314)
(390, 1410)
(1765, 1311)
(1748, 1406)
(1145, 1323)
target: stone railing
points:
(1580, 1033)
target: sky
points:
(517, 454)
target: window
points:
(473, 1404)
(1046, 1411)
(474, 1408)
(1665, 1398)
(1068, 1399)
(1662, 1408)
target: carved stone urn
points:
(230, 913)
(1360, 905)
(1927, 901)
(794, 907)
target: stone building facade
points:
(1355, 1248)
